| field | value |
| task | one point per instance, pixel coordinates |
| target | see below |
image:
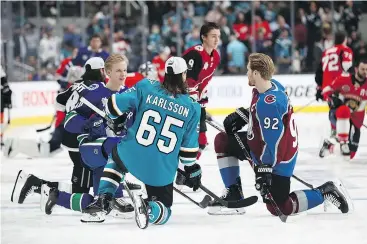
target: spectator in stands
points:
(31, 36)
(192, 38)
(280, 27)
(154, 40)
(71, 37)
(242, 28)
(236, 53)
(350, 18)
(172, 40)
(120, 44)
(187, 23)
(225, 33)
(314, 25)
(160, 60)
(282, 53)
(263, 45)
(49, 49)
(94, 27)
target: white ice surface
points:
(189, 224)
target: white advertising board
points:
(34, 102)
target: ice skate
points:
(96, 211)
(327, 148)
(48, 198)
(332, 194)
(232, 193)
(25, 185)
(122, 209)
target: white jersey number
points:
(331, 62)
(293, 130)
(147, 133)
(72, 101)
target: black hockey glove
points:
(118, 125)
(95, 127)
(193, 176)
(334, 101)
(263, 178)
(319, 94)
(6, 94)
(236, 120)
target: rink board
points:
(34, 102)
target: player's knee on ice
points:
(159, 214)
(295, 202)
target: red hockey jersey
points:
(202, 66)
(334, 61)
(132, 79)
(354, 94)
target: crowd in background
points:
(294, 49)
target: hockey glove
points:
(118, 125)
(236, 120)
(193, 176)
(319, 95)
(6, 96)
(334, 101)
(263, 178)
(95, 127)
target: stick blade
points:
(205, 202)
(243, 203)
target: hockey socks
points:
(110, 179)
(306, 199)
(229, 170)
(76, 201)
(159, 214)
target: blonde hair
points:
(113, 59)
(263, 64)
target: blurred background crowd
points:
(37, 35)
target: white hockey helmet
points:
(175, 65)
(94, 63)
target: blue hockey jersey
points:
(165, 130)
(272, 132)
(86, 53)
(77, 112)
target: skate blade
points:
(341, 187)
(218, 210)
(119, 215)
(18, 185)
(93, 218)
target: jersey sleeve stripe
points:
(188, 155)
(112, 106)
(186, 149)
(69, 116)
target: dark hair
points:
(361, 60)
(339, 38)
(96, 36)
(92, 74)
(174, 84)
(206, 28)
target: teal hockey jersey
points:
(165, 130)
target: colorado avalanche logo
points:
(269, 99)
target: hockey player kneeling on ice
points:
(76, 122)
(347, 98)
(165, 129)
(272, 141)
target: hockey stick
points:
(228, 204)
(203, 204)
(305, 106)
(217, 126)
(48, 127)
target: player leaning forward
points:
(272, 141)
(165, 129)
